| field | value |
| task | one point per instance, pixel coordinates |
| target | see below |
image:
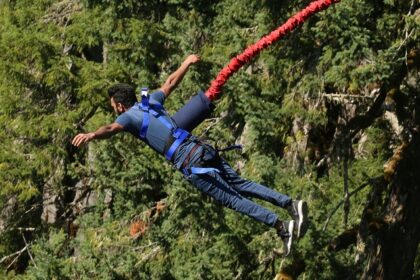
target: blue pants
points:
(232, 191)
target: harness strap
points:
(159, 113)
(180, 135)
(144, 125)
(144, 106)
(229, 148)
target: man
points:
(200, 163)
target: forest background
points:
(329, 114)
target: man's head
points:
(123, 97)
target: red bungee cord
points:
(250, 52)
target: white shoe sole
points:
(303, 216)
(290, 241)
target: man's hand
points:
(192, 59)
(82, 138)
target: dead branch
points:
(27, 249)
(23, 229)
(341, 96)
(13, 254)
(213, 123)
(361, 187)
(346, 200)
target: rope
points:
(250, 52)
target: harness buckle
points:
(144, 91)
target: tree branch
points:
(361, 187)
(18, 253)
(361, 122)
(81, 123)
(213, 123)
(27, 249)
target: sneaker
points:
(285, 231)
(298, 209)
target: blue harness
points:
(159, 113)
(179, 134)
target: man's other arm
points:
(103, 132)
(173, 80)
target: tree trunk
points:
(392, 249)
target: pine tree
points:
(319, 114)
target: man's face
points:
(118, 107)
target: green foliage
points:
(59, 57)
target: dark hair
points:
(124, 94)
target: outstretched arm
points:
(176, 77)
(103, 132)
